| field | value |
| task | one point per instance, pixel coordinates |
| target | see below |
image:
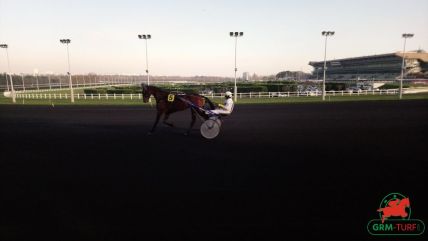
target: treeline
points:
(270, 86)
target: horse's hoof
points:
(149, 133)
(169, 124)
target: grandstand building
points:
(384, 67)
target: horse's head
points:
(146, 93)
(405, 202)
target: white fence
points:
(27, 95)
(75, 86)
(308, 93)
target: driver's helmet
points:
(228, 94)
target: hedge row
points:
(114, 90)
(217, 88)
(393, 86)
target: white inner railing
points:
(46, 95)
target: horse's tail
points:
(210, 103)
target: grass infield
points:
(281, 100)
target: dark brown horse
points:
(168, 103)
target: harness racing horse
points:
(167, 103)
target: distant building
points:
(246, 76)
(292, 75)
(384, 67)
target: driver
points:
(227, 107)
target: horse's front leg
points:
(192, 123)
(165, 120)
(158, 115)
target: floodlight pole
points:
(69, 75)
(7, 81)
(49, 79)
(37, 81)
(70, 82)
(326, 34)
(23, 83)
(235, 88)
(146, 37)
(5, 46)
(236, 35)
(147, 64)
(403, 64)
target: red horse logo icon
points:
(395, 208)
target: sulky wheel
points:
(216, 119)
(210, 128)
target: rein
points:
(195, 106)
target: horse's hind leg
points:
(156, 123)
(165, 120)
(192, 123)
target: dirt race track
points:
(308, 171)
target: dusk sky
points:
(191, 37)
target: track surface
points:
(310, 171)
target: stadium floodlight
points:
(65, 41)
(407, 35)
(70, 82)
(326, 34)
(236, 35)
(403, 64)
(146, 37)
(6, 47)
